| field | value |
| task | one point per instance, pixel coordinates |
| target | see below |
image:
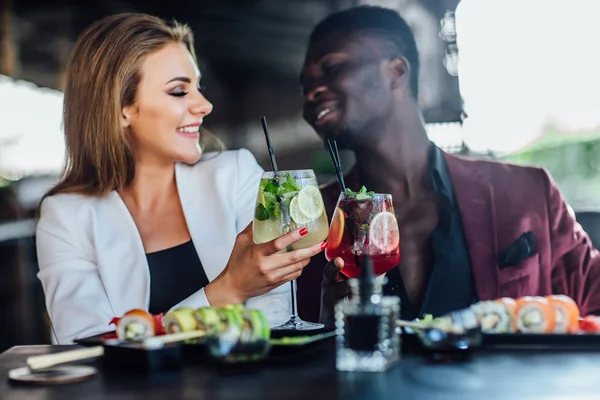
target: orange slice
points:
(336, 230)
(384, 233)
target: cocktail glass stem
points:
(295, 323)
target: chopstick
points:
(411, 324)
(179, 336)
(50, 360)
(420, 325)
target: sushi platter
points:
(229, 335)
(528, 323)
(145, 343)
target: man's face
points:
(345, 87)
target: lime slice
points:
(296, 214)
(310, 202)
(384, 233)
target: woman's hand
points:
(255, 269)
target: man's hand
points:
(334, 288)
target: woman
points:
(140, 218)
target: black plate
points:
(524, 341)
(314, 344)
(317, 341)
(195, 353)
(294, 333)
(135, 358)
(520, 341)
(96, 340)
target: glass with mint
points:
(288, 200)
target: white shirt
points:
(92, 261)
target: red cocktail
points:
(364, 224)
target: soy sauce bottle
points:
(365, 325)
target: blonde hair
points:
(102, 77)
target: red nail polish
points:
(323, 245)
(303, 231)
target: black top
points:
(451, 284)
(175, 274)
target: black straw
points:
(335, 158)
(366, 279)
(263, 121)
(337, 154)
(337, 165)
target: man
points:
(470, 229)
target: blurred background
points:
(508, 79)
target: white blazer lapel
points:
(122, 262)
(207, 210)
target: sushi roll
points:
(511, 307)
(180, 320)
(464, 319)
(207, 319)
(567, 313)
(242, 335)
(457, 322)
(511, 304)
(136, 324)
(255, 325)
(230, 317)
(494, 316)
(535, 314)
(233, 307)
(230, 329)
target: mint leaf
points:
(291, 183)
(261, 213)
(288, 186)
(270, 203)
(269, 198)
(275, 211)
(362, 194)
(271, 187)
(277, 193)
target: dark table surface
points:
(499, 375)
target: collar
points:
(440, 177)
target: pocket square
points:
(521, 249)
